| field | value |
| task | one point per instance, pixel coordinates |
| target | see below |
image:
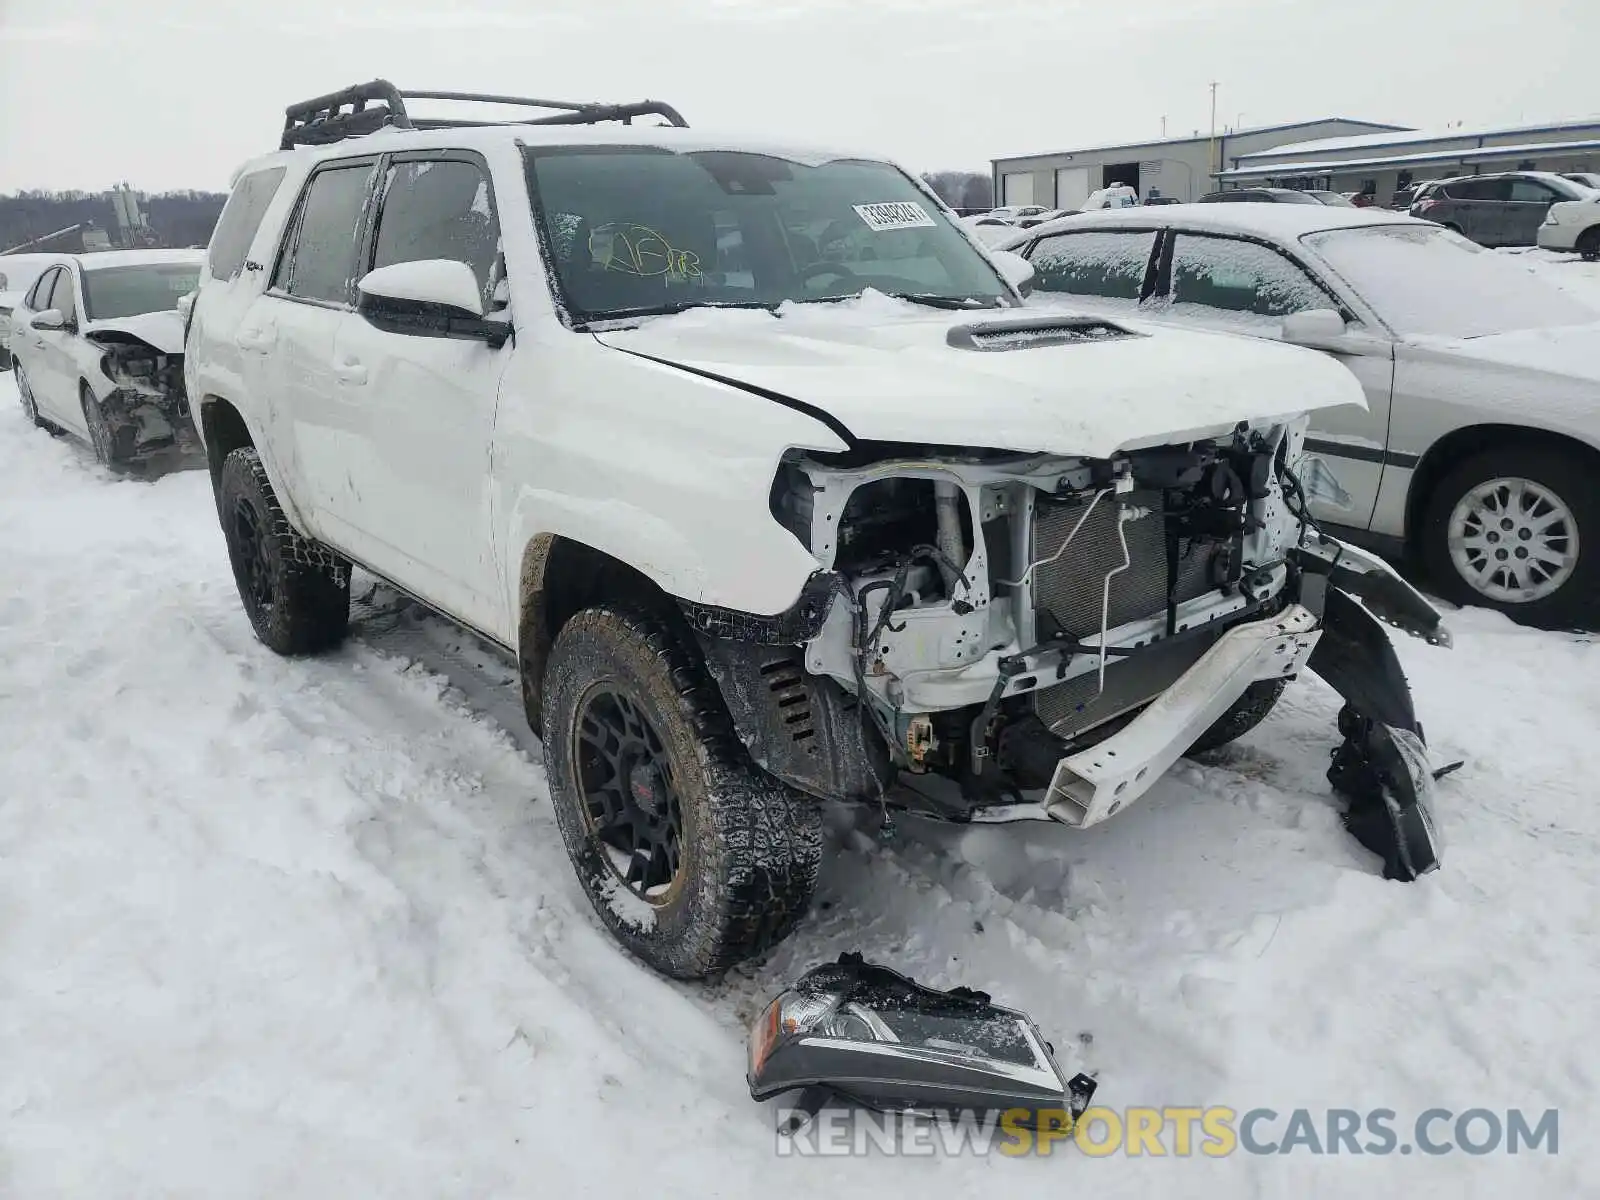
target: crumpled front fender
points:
(1367, 577)
(1381, 767)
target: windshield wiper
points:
(934, 300)
(664, 310)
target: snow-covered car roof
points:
(105, 259)
(461, 137)
(18, 271)
(1283, 222)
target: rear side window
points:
(1479, 189)
(241, 217)
(320, 262)
(1529, 191)
(439, 209)
(1232, 276)
(1110, 263)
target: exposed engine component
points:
(981, 628)
(150, 397)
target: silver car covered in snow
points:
(1480, 443)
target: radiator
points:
(1070, 589)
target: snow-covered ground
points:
(273, 928)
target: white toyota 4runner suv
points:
(777, 493)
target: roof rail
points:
(368, 107)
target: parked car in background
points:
(1117, 195)
(1333, 199)
(1260, 195)
(1414, 192)
(17, 274)
(1010, 212)
(1480, 444)
(1573, 225)
(988, 228)
(1496, 210)
(1040, 218)
(1588, 179)
(98, 348)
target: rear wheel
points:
(1518, 530)
(30, 406)
(1588, 245)
(295, 591)
(693, 857)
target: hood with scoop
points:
(1053, 382)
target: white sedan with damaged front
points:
(98, 348)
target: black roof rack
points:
(368, 107)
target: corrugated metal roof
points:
(1257, 170)
(1182, 141)
(1410, 137)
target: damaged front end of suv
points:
(998, 636)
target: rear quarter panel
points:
(214, 365)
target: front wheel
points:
(295, 591)
(113, 446)
(693, 858)
(1248, 711)
(1518, 530)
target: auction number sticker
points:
(898, 214)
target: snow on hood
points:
(162, 330)
(885, 370)
(1569, 350)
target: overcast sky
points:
(175, 93)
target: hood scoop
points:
(1027, 333)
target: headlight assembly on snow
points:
(854, 1032)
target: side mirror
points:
(1016, 270)
(1315, 327)
(49, 320)
(432, 297)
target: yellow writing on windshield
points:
(636, 249)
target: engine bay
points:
(989, 614)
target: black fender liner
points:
(1380, 768)
(1354, 657)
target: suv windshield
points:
(112, 292)
(638, 230)
(1424, 279)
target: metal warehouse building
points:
(1181, 167)
(1336, 153)
(1382, 162)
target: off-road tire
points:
(300, 601)
(1248, 711)
(1576, 604)
(1588, 244)
(113, 447)
(749, 846)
